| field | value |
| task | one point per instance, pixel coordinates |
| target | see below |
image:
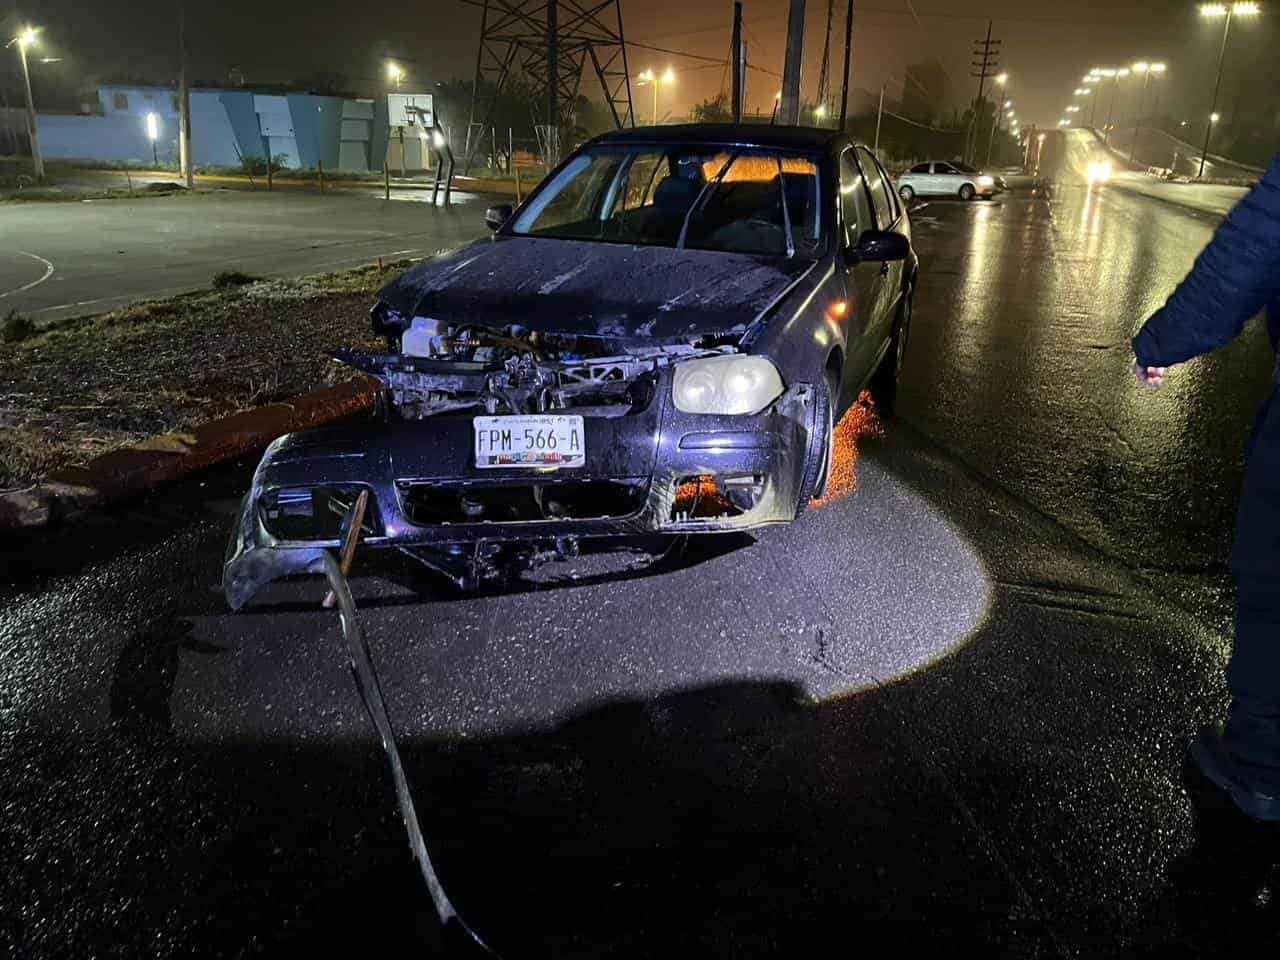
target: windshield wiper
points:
(684, 224)
(786, 214)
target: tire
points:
(884, 382)
(821, 447)
(967, 192)
(906, 193)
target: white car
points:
(938, 178)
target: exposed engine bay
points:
(441, 369)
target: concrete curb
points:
(139, 469)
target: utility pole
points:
(184, 102)
(739, 66)
(37, 161)
(844, 79)
(824, 93)
(789, 109)
(987, 54)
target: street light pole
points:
(1217, 87)
(1115, 95)
(23, 40)
(184, 103)
(1147, 69)
(1002, 80)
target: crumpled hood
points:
(595, 289)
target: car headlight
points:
(726, 385)
(987, 181)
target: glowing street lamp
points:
(153, 134)
(654, 80)
(1148, 70)
(1225, 13)
(1002, 80)
(395, 72)
(1115, 76)
(23, 40)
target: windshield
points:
(963, 167)
(703, 198)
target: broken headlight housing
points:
(726, 385)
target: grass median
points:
(80, 388)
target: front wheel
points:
(906, 193)
(967, 192)
(822, 445)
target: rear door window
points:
(890, 195)
(876, 185)
(919, 168)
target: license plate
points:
(544, 441)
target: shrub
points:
(232, 278)
(16, 327)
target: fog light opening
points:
(707, 497)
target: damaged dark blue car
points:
(657, 343)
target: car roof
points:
(750, 134)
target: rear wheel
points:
(822, 443)
(906, 193)
(884, 383)
(967, 192)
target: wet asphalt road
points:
(943, 711)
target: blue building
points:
(227, 125)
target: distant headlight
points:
(726, 385)
(987, 181)
(1099, 171)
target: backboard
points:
(410, 110)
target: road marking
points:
(48, 272)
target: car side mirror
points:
(880, 246)
(495, 217)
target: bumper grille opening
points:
(427, 504)
(312, 513)
(707, 497)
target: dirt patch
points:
(88, 386)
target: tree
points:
(714, 110)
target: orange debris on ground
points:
(860, 422)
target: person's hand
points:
(1151, 377)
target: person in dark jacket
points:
(1236, 276)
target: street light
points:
(1115, 76)
(23, 40)
(153, 132)
(1215, 11)
(1002, 80)
(1147, 70)
(652, 79)
(396, 73)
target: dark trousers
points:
(1253, 675)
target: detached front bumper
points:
(659, 471)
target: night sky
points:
(1047, 45)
